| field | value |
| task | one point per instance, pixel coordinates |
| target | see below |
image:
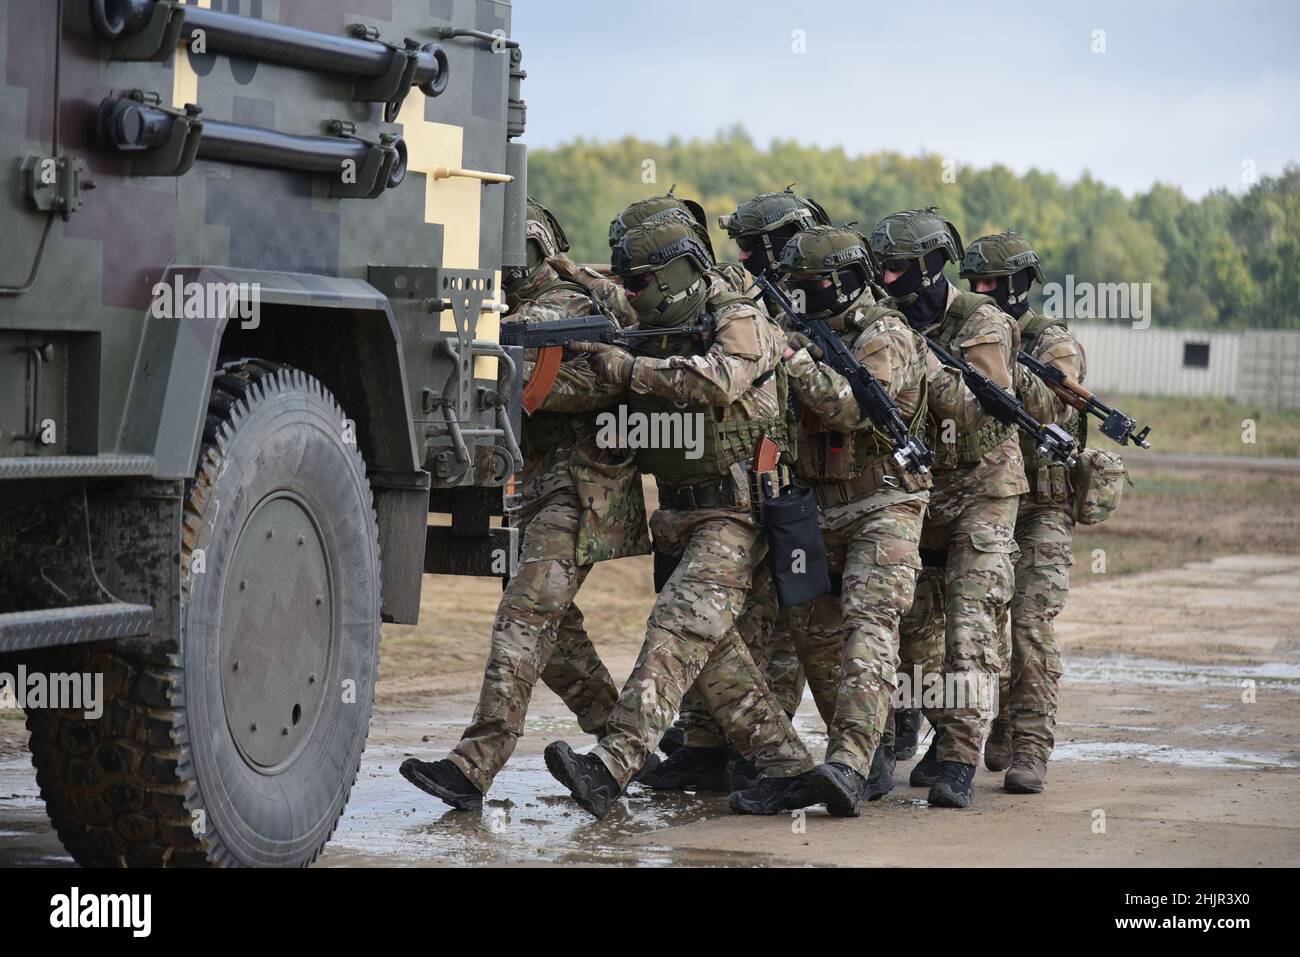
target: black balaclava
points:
(923, 305)
(1012, 292)
(758, 260)
(833, 299)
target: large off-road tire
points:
(241, 744)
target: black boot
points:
(690, 769)
(907, 729)
(651, 765)
(839, 787)
(880, 777)
(585, 775)
(742, 773)
(773, 795)
(955, 787)
(673, 740)
(926, 771)
(443, 779)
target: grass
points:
(1169, 518)
(1196, 425)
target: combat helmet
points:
(762, 226)
(818, 253)
(655, 207)
(1008, 258)
(920, 235)
(543, 237)
(664, 268)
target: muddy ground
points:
(1178, 741)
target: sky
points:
(1200, 94)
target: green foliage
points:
(1226, 261)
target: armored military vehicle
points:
(250, 274)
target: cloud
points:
(1183, 93)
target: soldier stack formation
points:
(876, 477)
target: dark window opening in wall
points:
(1196, 355)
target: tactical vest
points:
(1077, 427)
(543, 431)
(861, 450)
(728, 438)
(969, 447)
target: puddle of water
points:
(527, 818)
(1138, 728)
(1164, 754)
(1123, 670)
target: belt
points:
(830, 494)
(714, 493)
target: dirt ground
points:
(1178, 742)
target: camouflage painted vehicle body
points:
(244, 241)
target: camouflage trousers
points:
(692, 632)
(951, 631)
(767, 635)
(848, 644)
(1032, 660)
(538, 632)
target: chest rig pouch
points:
(969, 447)
(1050, 482)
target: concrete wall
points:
(1123, 360)
(1268, 374)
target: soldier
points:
(577, 504)
(871, 511)
(1005, 267)
(731, 388)
(978, 478)
(699, 758)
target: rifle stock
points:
(1114, 423)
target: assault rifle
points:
(1052, 440)
(909, 452)
(1114, 423)
(550, 337)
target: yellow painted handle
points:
(446, 172)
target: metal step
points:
(46, 628)
(77, 466)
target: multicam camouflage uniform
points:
(577, 504)
(871, 519)
(1044, 534)
(1021, 735)
(978, 478)
(704, 518)
(969, 527)
(761, 227)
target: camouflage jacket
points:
(733, 374)
(561, 454)
(988, 339)
(838, 442)
(1055, 346)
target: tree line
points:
(1226, 261)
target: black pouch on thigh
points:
(665, 565)
(796, 551)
